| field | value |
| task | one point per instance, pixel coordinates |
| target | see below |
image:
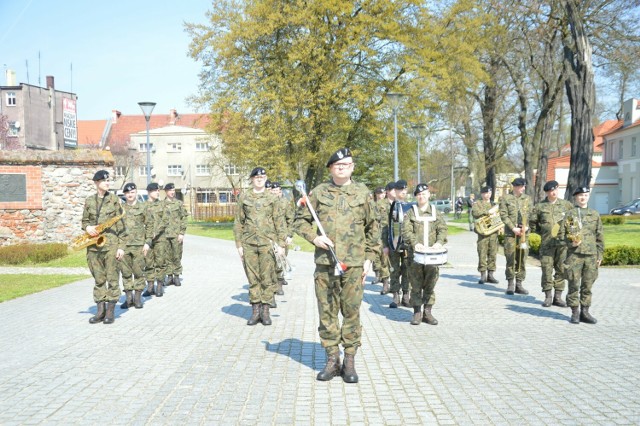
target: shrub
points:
(534, 243)
(220, 219)
(36, 253)
(613, 219)
(621, 255)
(14, 255)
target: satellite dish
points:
(161, 182)
(16, 124)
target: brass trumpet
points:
(86, 240)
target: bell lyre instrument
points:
(430, 255)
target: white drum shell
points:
(431, 257)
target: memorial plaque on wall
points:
(13, 188)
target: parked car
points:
(442, 205)
(628, 209)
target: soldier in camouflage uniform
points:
(175, 216)
(259, 224)
(545, 220)
(399, 259)
(103, 261)
(514, 211)
(156, 243)
(348, 216)
(582, 232)
(288, 210)
(132, 265)
(382, 205)
(487, 245)
(423, 277)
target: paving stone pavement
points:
(190, 358)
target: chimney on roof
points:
(173, 116)
(50, 83)
(115, 114)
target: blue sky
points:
(122, 51)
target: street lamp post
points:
(394, 100)
(419, 131)
(147, 109)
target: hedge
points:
(613, 219)
(34, 253)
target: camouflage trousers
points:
(423, 283)
(156, 261)
(381, 266)
(552, 259)
(581, 271)
(174, 257)
(132, 267)
(487, 249)
(104, 268)
(399, 262)
(339, 295)
(260, 266)
(516, 259)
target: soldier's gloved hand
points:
(145, 249)
(180, 238)
(516, 231)
(385, 250)
(437, 246)
(280, 251)
(91, 230)
(322, 242)
(366, 268)
(419, 248)
(119, 254)
(288, 240)
(576, 243)
(241, 252)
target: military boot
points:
(255, 314)
(483, 277)
(396, 300)
(406, 299)
(137, 299)
(331, 369)
(575, 315)
(511, 287)
(385, 286)
(547, 299)
(168, 281)
(491, 279)
(585, 316)
(149, 291)
(177, 281)
(128, 299)
(109, 317)
(264, 315)
(348, 371)
(280, 291)
(520, 289)
(273, 303)
(427, 317)
(99, 316)
(160, 288)
(417, 315)
(557, 299)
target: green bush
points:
(534, 243)
(613, 219)
(621, 255)
(34, 253)
(220, 219)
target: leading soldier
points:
(348, 216)
(101, 209)
(545, 220)
(487, 245)
(175, 216)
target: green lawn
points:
(18, 285)
(627, 234)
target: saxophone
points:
(86, 240)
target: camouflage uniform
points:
(399, 262)
(581, 263)
(288, 211)
(258, 224)
(102, 260)
(512, 212)
(349, 220)
(175, 216)
(487, 245)
(423, 277)
(132, 265)
(156, 239)
(381, 265)
(553, 251)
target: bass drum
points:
(396, 218)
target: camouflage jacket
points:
(348, 217)
(175, 216)
(155, 223)
(100, 210)
(413, 228)
(589, 225)
(135, 221)
(384, 222)
(513, 211)
(259, 220)
(543, 218)
(288, 210)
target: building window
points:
(174, 147)
(203, 169)
(142, 170)
(143, 147)
(206, 197)
(230, 170)
(634, 147)
(120, 171)
(202, 146)
(12, 130)
(174, 170)
(620, 152)
(11, 98)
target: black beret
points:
(128, 187)
(419, 188)
(551, 185)
(519, 182)
(258, 171)
(401, 184)
(268, 184)
(390, 186)
(581, 190)
(101, 175)
(275, 185)
(379, 190)
(339, 155)
(169, 186)
(485, 189)
(153, 186)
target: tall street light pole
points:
(147, 109)
(394, 100)
(419, 131)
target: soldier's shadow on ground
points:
(309, 354)
(540, 312)
(516, 297)
(379, 304)
(491, 287)
(239, 310)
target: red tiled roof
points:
(619, 127)
(90, 132)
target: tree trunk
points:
(488, 108)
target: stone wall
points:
(57, 184)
